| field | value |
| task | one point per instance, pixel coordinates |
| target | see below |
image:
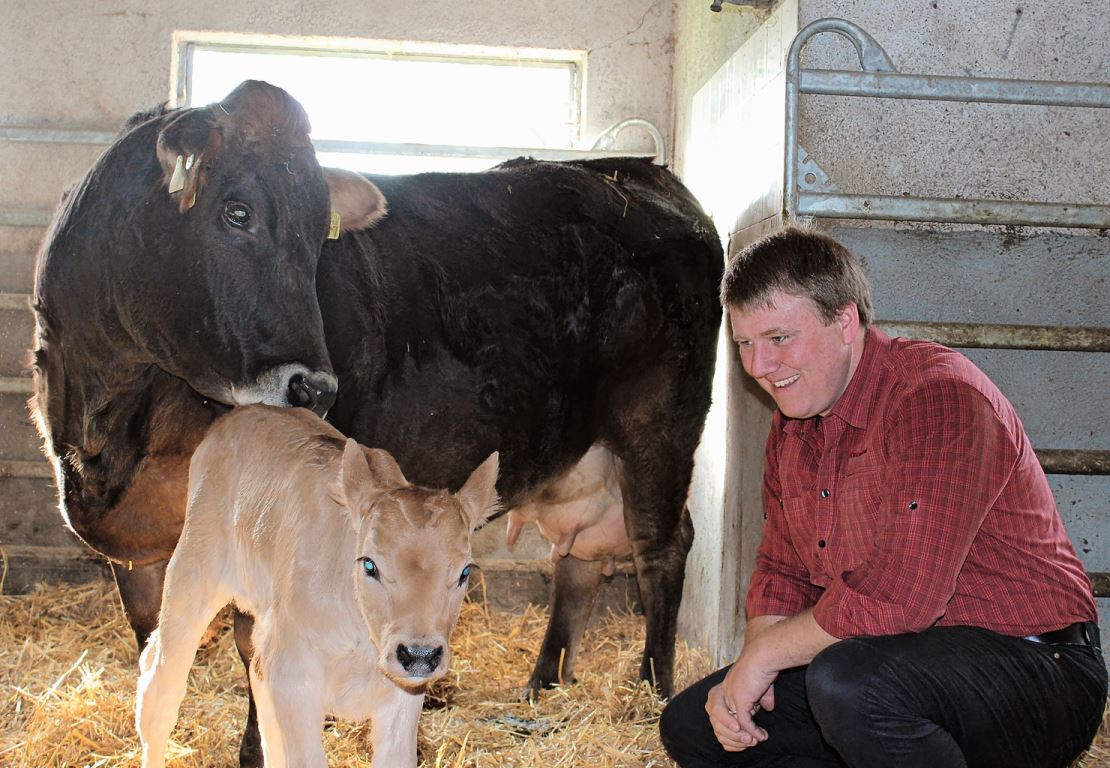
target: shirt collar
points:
(854, 405)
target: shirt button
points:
(821, 543)
(824, 493)
(913, 505)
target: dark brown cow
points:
(537, 309)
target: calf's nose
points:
(419, 660)
(314, 390)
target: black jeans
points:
(948, 697)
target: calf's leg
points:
(191, 603)
(573, 594)
(288, 685)
(393, 729)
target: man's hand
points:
(732, 705)
(771, 644)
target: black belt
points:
(1080, 633)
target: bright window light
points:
(454, 103)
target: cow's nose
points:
(315, 391)
(419, 660)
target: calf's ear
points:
(364, 474)
(479, 493)
(354, 199)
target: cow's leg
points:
(654, 428)
(165, 662)
(660, 573)
(140, 591)
(654, 486)
(393, 729)
(573, 593)
(250, 748)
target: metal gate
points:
(809, 193)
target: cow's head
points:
(219, 284)
(414, 559)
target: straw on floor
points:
(68, 672)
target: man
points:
(916, 600)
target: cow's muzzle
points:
(314, 390)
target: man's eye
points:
(779, 339)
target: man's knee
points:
(675, 726)
(836, 684)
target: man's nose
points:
(761, 361)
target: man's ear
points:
(848, 321)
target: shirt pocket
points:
(858, 515)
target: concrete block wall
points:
(89, 66)
(920, 272)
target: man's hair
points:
(799, 262)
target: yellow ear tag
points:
(333, 229)
(177, 180)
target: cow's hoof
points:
(531, 691)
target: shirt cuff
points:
(843, 612)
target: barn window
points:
(390, 107)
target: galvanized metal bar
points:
(1071, 461)
(15, 301)
(50, 136)
(953, 210)
(15, 385)
(42, 136)
(25, 218)
(1100, 583)
(880, 79)
(895, 85)
(608, 137)
(26, 469)
(1062, 338)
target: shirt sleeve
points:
(780, 584)
(948, 456)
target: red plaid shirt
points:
(917, 501)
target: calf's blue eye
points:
(465, 574)
(370, 568)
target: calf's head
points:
(221, 288)
(414, 559)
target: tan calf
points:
(354, 576)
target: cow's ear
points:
(354, 199)
(182, 144)
(479, 493)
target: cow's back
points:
(501, 310)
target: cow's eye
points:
(465, 576)
(370, 568)
(237, 214)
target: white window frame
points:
(184, 43)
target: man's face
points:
(804, 364)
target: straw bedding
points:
(68, 673)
